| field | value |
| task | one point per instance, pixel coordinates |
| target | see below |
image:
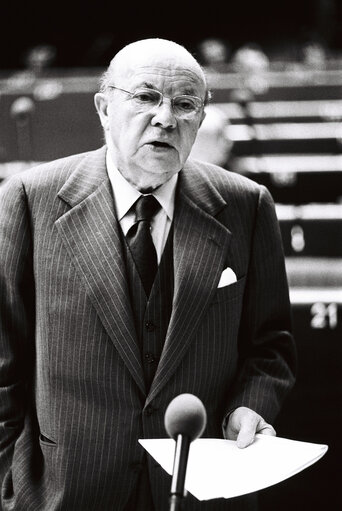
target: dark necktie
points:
(140, 240)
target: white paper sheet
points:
(219, 469)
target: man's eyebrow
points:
(188, 91)
(147, 85)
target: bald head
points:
(151, 105)
(143, 52)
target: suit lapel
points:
(200, 248)
(90, 232)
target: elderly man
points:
(130, 275)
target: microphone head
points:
(22, 107)
(185, 415)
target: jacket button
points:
(136, 467)
(149, 410)
(149, 358)
(150, 326)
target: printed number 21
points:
(323, 315)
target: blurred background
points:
(276, 116)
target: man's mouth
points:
(163, 145)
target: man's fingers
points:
(243, 424)
(265, 429)
(249, 429)
(246, 434)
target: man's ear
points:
(203, 117)
(101, 105)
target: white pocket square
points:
(227, 277)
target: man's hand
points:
(243, 424)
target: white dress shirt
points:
(125, 196)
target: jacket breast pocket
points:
(230, 292)
(46, 441)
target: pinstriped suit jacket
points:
(72, 396)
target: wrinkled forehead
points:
(163, 67)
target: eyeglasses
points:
(184, 106)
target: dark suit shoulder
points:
(223, 180)
(40, 186)
(53, 172)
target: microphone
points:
(185, 419)
(21, 112)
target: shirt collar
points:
(125, 194)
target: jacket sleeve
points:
(16, 317)
(267, 354)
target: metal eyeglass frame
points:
(162, 96)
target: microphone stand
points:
(185, 419)
(179, 471)
(21, 111)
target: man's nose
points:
(164, 116)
